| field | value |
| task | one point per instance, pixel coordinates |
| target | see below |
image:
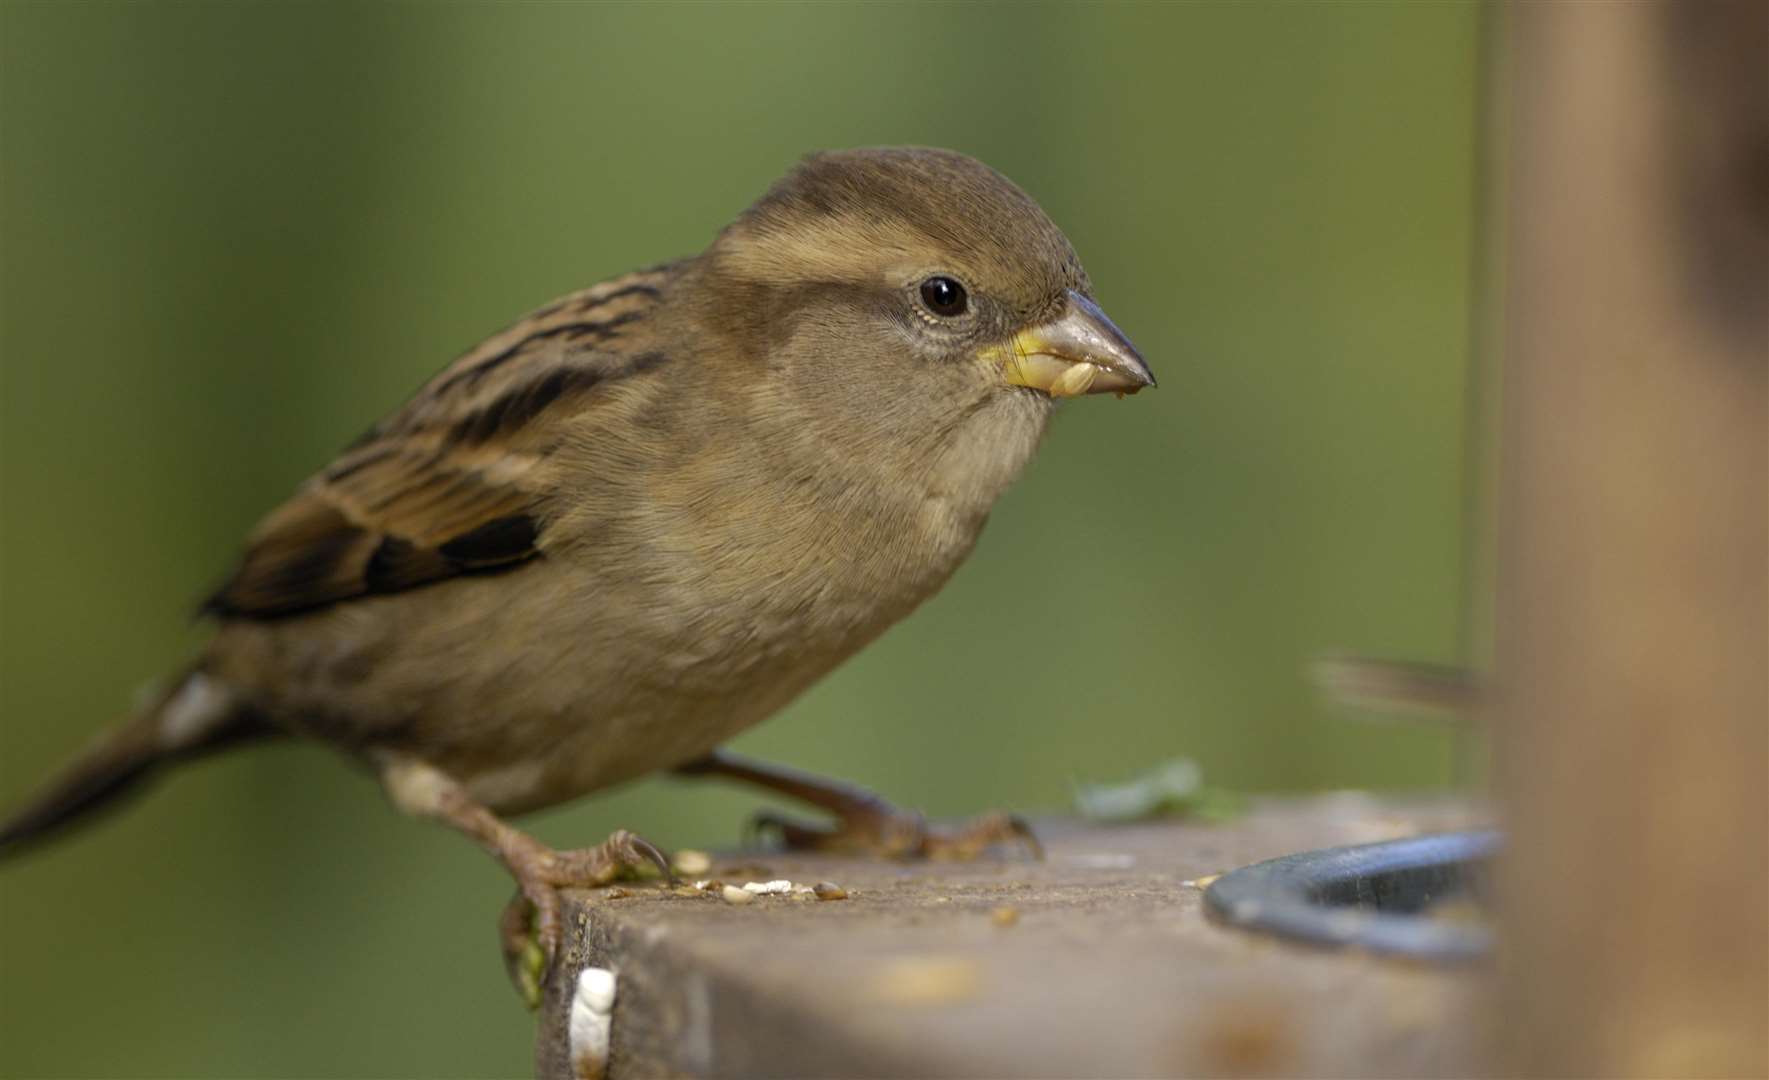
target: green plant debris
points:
(1175, 788)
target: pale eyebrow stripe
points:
(836, 248)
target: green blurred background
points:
(233, 235)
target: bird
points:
(647, 516)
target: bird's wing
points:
(456, 481)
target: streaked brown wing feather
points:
(457, 480)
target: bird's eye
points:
(943, 296)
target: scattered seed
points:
(768, 888)
(1005, 916)
(829, 890)
(734, 895)
(691, 863)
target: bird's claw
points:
(525, 958)
(899, 834)
(531, 928)
(623, 854)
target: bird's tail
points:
(196, 715)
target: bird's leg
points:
(532, 918)
(866, 822)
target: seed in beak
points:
(1074, 381)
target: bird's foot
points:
(525, 961)
(885, 830)
(531, 928)
(866, 823)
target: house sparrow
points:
(650, 514)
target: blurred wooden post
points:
(1632, 627)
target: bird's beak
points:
(1078, 352)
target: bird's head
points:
(913, 304)
(931, 264)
